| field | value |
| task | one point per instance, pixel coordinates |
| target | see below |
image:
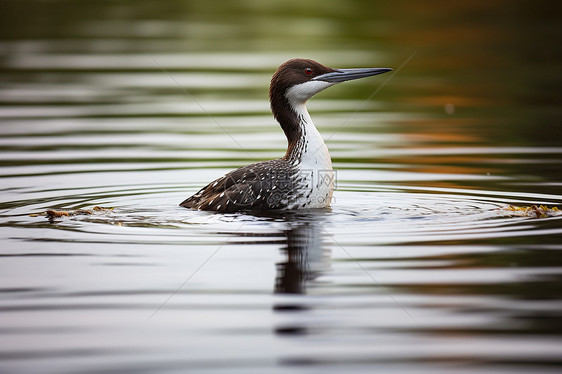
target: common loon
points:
(303, 178)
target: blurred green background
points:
(499, 60)
(470, 73)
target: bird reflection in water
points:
(305, 258)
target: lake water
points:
(419, 266)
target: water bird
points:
(303, 178)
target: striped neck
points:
(310, 148)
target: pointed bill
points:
(342, 75)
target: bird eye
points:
(308, 71)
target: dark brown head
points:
(297, 80)
(296, 72)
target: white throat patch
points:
(299, 93)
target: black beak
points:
(342, 75)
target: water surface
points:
(419, 266)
